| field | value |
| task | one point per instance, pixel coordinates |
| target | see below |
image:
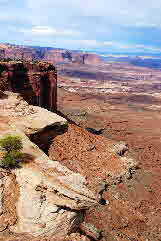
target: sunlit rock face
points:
(40, 199)
(36, 82)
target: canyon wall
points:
(68, 56)
(36, 82)
(52, 55)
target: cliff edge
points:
(36, 82)
(42, 198)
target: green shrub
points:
(11, 145)
(11, 158)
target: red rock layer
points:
(47, 54)
(95, 157)
(37, 83)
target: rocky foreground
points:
(44, 199)
(41, 198)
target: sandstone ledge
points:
(42, 197)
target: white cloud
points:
(144, 25)
(139, 46)
(42, 30)
(108, 43)
(120, 11)
(116, 45)
(82, 43)
(105, 24)
(92, 42)
(46, 30)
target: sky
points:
(91, 25)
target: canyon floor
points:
(133, 117)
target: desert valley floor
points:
(134, 117)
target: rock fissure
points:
(2, 185)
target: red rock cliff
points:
(37, 82)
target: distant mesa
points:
(52, 55)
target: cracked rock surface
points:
(41, 198)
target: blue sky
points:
(98, 25)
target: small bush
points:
(11, 145)
(11, 159)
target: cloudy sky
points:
(97, 25)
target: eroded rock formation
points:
(51, 55)
(37, 83)
(41, 200)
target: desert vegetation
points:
(10, 150)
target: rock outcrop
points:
(68, 56)
(37, 83)
(42, 198)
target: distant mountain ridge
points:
(52, 55)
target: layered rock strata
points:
(51, 55)
(36, 82)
